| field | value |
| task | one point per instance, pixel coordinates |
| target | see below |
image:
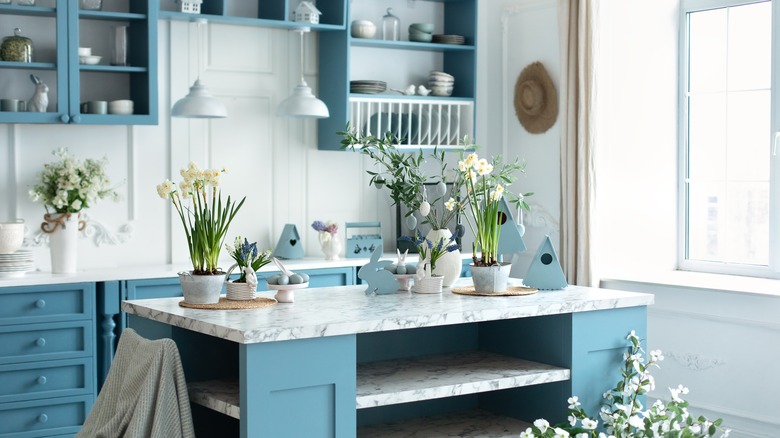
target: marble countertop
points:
(333, 311)
(141, 272)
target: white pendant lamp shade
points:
(302, 103)
(199, 104)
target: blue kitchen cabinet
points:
(47, 359)
(59, 31)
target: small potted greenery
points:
(248, 261)
(205, 219)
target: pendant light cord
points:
(199, 23)
(303, 81)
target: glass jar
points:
(16, 48)
(391, 27)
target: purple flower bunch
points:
(325, 227)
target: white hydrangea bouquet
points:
(622, 414)
(69, 185)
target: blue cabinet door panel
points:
(55, 378)
(59, 416)
(26, 343)
(60, 302)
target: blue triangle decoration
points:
(289, 246)
(379, 279)
(511, 239)
(545, 272)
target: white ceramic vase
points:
(490, 279)
(63, 232)
(331, 245)
(201, 289)
(449, 264)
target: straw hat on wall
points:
(536, 101)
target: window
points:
(729, 194)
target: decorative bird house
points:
(510, 241)
(190, 6)
(545, 271)
(306, 12)
(289, 245)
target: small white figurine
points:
(422, 91)
(400, 266)
(408, 91)
(251, 277)
(39, 101)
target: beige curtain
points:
(576, 19)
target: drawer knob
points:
(43, 418)
(42, 380)
(40, 342)
(40, 304)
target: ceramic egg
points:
(296, 279)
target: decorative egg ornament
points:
(425, 208)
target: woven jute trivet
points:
(511, 291)
(226, 304)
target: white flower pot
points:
(201, 289)
(490, 279)
(429, 285)
(331, 245)
(63, 232)
(449, 264)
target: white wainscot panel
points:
(240, 49)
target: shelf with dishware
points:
(427, 59)
(272, 14)
(417, 121)
(72, 61)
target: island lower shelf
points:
(388, 382)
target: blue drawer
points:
(55, 378)
(33, 342)
(29, 419)
(61, 302)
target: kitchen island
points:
(338, 363)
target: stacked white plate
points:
(17, 263)
(441, 84)
(449, 39)
(367, 87)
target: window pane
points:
(729, 133)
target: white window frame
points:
(773, 268)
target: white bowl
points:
(363, 29)
(120, 107)
(85, 51)
(441, 91)
(90, 60)
(442, 74)
(11, 236)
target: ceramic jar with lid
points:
(16, 48)
(391, 26)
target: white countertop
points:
(333, 311)
(170, 271)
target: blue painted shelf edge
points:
(410, 45)
(111, 16)
(28, 10)
(29, 65)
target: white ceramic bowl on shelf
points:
(11, 236)
(363, 29)
(441, 91)
(85, 51)
(90, 60)
(120, 107)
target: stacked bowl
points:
(421, 32)
(441, 84)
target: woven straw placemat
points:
(226, 304)
(511, 291)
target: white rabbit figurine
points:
(401, 262)
(39, 101)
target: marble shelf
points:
(423, 378)
(462, 424)
(390, 382)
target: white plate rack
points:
(418, 123)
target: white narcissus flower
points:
(186, 189)
(542, 425)
(471, 159)
(589, 424)
(164, 189)
(462, 166)
(450, 204)
(574, 402)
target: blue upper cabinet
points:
(418, 121)
(57, 29)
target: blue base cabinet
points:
(47, 359)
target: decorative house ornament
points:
(289, 245)
(380, 280)
(306, 12)
(536, 101)
(190, 6)
(545, 271)
(511, 239)
(362, 245)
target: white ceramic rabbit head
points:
(40, 99)
(401, 257)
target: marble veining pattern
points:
(219, 395)
(333, 311)
(468, 424)
(429, 377)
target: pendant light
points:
(302, 103)
(199, 103)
